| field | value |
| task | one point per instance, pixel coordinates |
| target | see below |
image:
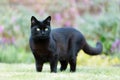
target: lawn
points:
(27, 72)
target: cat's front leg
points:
(39, 66)
(53, 63)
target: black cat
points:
(61, 44)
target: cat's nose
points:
(43, 33)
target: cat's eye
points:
(46, 29)
(37, 29)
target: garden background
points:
(98, 20)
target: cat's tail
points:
(93, 51)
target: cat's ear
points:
(33, 20)
(47, 20)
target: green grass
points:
(27, 72)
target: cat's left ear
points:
(33, 20)
(47, 20)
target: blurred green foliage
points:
(105, 28)
(11, 54)
(101, 60)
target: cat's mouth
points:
(40, 37)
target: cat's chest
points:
(42, 49)
(38, 48)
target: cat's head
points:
(40, 29)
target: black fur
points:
(61, 44)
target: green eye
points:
(37, 29)
(46, 29)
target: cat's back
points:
(64, 34)
(66, 31)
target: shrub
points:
(11, 54)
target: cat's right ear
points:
(33, 20)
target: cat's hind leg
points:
(73, 49)
(72, 62)
(63, 65)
